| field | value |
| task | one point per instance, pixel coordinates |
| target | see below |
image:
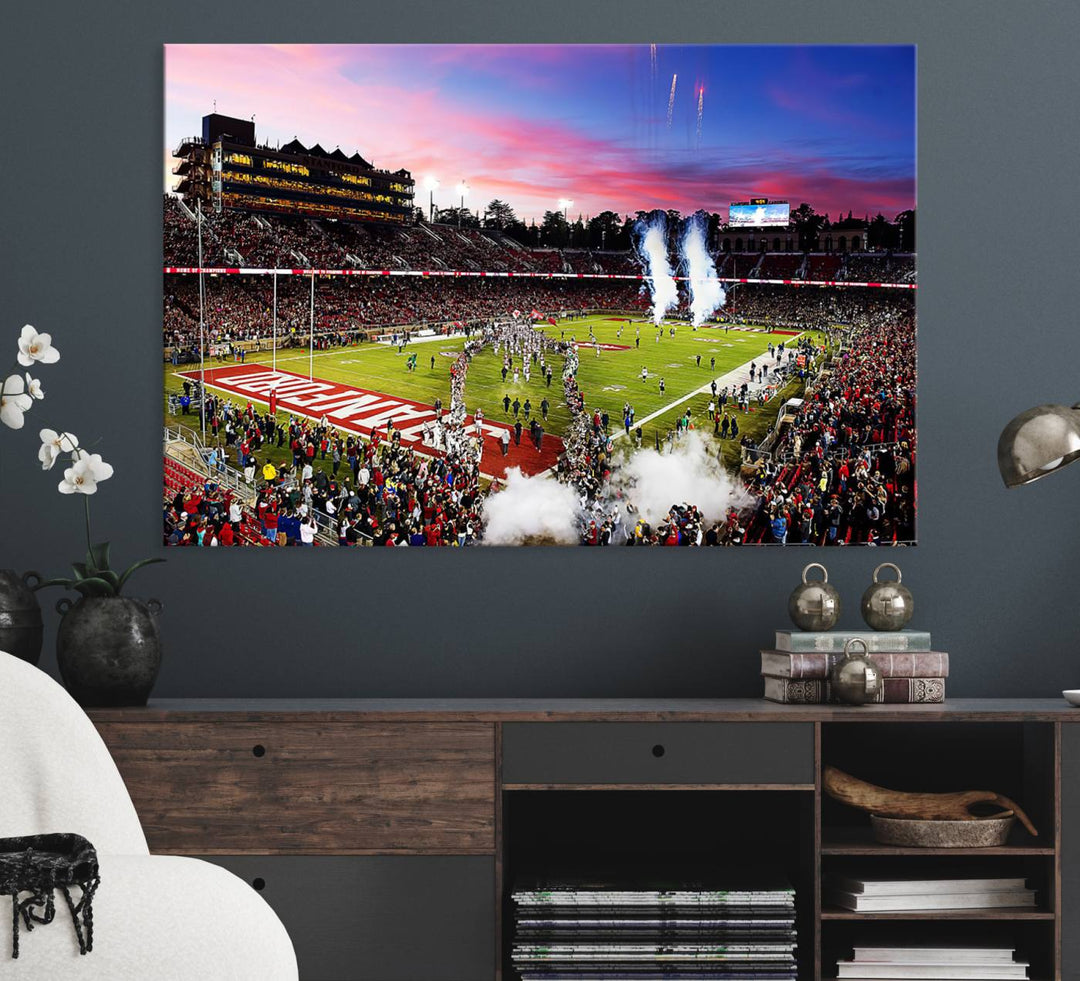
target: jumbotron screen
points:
(759, 214)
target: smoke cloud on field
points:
(651, 241)
(689, 474)
(706, 291)
(531, 511)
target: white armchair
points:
(156, 918)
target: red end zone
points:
(360, 411)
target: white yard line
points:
(735, 377)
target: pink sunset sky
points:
(532, 124)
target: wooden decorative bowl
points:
(922, 833)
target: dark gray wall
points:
(995, 577)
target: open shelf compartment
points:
(710, 836)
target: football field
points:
(686, 362)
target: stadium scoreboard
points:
(758, 213)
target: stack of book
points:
(579, 931)
(938, 963)
(796, 671)
(880, 895)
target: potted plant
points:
(108, 646)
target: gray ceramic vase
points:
(21, 629)
(108, 649)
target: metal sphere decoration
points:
(887, 605)
(855, 679)
(814, 605)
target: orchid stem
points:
(89, 547)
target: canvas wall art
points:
(475, 295)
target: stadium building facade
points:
(747, 239)
(226, 168)
(847, 235)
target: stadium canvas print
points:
(477, 295)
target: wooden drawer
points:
(381, 918)
(367, 788)
(632, 753)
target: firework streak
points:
(361, 411)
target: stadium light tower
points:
(431, 183)
(566, 204)
(462, 189)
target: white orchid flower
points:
(53, 444)
(14, 402)
(36, 347)
(83, 476)
(33, 387)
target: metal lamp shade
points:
(1037, 442)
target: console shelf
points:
(859, 841)
(1004, 913)
(412, 817)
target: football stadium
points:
(343, 365)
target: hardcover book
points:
(935, 955)
(833, 641)
(892, 664)
(920, 887)
(980, 900)
(967, 971)
(895, 691)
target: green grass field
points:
(607, 381)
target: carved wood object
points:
(902, 804)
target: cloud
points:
(437, 109)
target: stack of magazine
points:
(579, 931)
(938, 963)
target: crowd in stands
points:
(844, 471)
(812, 308)
(240, 308)
(877, 268)
(232, 238)
(779, 265)
(823, 266)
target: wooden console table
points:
(387, 833)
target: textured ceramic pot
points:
(109, 649)
(21, 629)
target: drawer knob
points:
(258, 884)
(258, 750)
(658, 750)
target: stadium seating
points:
(779, 265)
(180, 479)
(742, 265)
(823, 266)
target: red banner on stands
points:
(232, 271)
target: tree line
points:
(613, 232)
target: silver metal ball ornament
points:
(814, 605)
(887, 605)
(856, 680)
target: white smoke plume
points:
(688, 474)
(706, 291)
(531, 511)
(652, 241)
